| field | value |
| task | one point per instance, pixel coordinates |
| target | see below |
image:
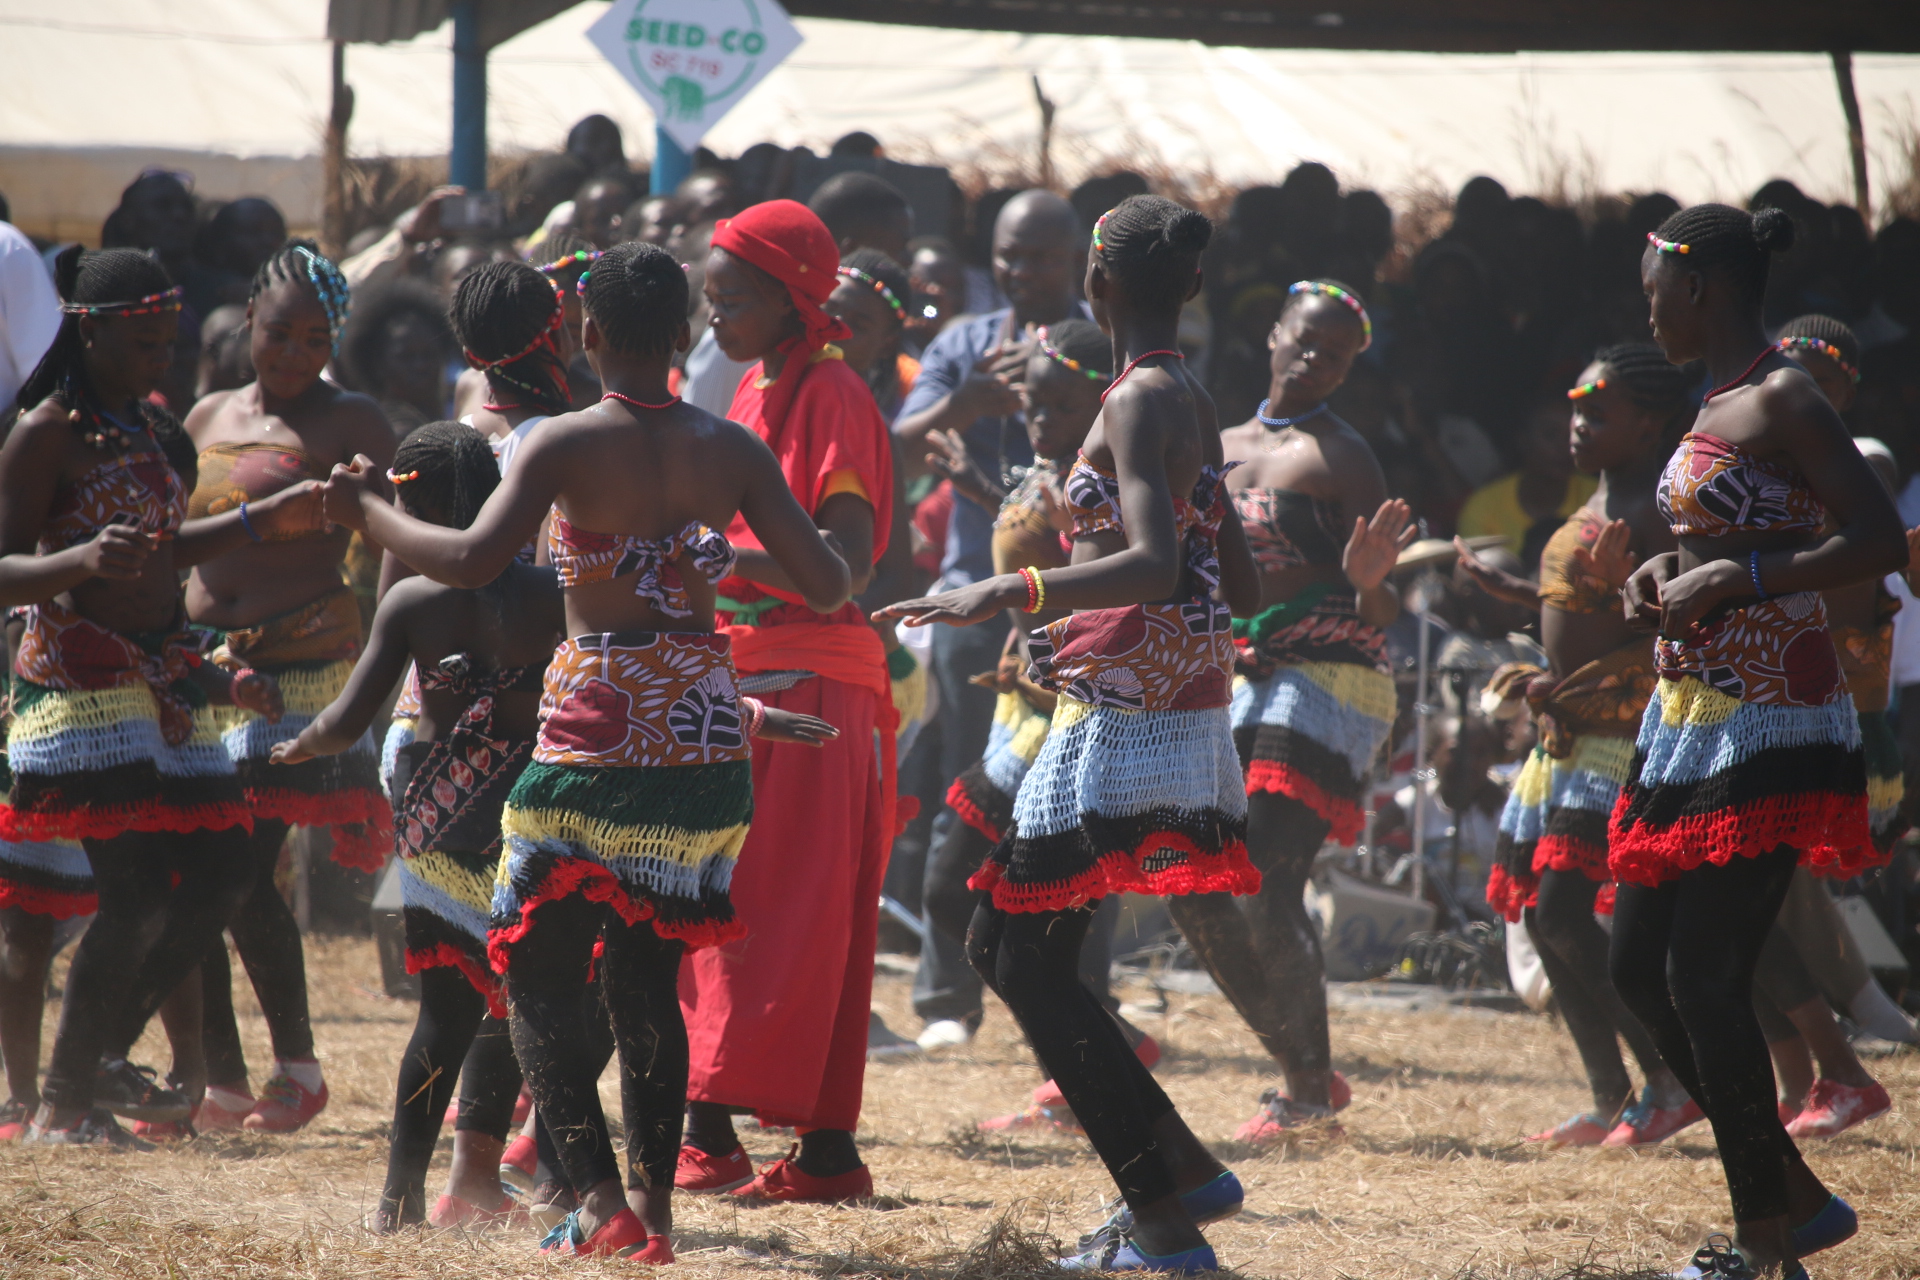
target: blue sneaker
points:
(1218, 1199)
(1835, 1222)
(1122, 1254)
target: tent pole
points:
(671, 165)
(1856, 136)
(333, 217)
(467, 164)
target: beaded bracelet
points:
(247, 524)
(756, 714)
(1036, 590)
(1753, 571)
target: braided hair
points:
(301, 262)
(448, 465)
(637, 296)
(110, 280)
(872, 269)
(1653, 384)
(1719, 237)
(508, 317)
(1153, 246)
(1812, 331)
(1081, 342)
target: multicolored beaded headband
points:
(336, 299)
(1667, 246)
(1060, 357)
(878, 286)
(1804, 342)
(1322, 289)
(401, 477)
(152, 304)
(579, 257)
(1099, 229)
(540, 339)
(1586, 389)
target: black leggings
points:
(1573, 951)
(1266, 955)
(1683, 959)
(145, 937)
(639, 977)
(1032, 962)
(453, 1033)
(268, 939)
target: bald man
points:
(969, 386)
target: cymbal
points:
(1429, 553)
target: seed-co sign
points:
(692, 60)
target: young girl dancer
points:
(626, 824)
(1749, 759)
(109, 744)
(1628, 407)
(1138, 787)
(481, 654)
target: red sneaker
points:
(452, 1211)
(1278, 1113)
(785, 1180)
(1788, 1110)
(519, 1162)
(1057, 1117)
(164, 1130)
(1588, 1129)
(15, 1116)
(706, 1174)
(619, 1236)
(210, 1115)
(1643, 1125)
(1833, 1108)
(1049, 1095)
(658, 1252)
(285, 1105)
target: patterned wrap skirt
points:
(640, 790)
(1310, 731)
(982, 797)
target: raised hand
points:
(1610, 558)
(1377, 543)
(948, 457)
(1496, 582)
(118, 552)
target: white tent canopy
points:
(236, 92)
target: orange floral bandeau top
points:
(1711, 487)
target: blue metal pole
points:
(467, 164)
(671, 165)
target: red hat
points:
(788, 241)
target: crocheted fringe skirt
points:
(94, 764)
(446, 896)
(982, 797)
(1886, 781)
(1311, 732)
(1556, 819)
(342, 791)
(1125, 801)
(1714, 778)
(657, 844)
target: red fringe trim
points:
(37, 901)
(968, 812)
(1227, 871)
(1277, 778)
(1510, 895)
(1566, 853)
(1828, 828)
(577, 875)
(365, 849)
(446, 955)
(94, 822)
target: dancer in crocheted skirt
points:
(1138, 787)
(1628, 408)
(625, 826)
(1749, 757)
(1313, 698)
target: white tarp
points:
(236, 91)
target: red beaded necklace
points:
(1145, 355)
(639, 404)
(1728, 386)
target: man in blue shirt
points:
(969, 387)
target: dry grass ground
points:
(1430, 1179)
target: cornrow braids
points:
(881, 274)
(1719, 237)
(448, 465)
(1641, 369)
(1081, 347)
(301, 262)
(637, 295)
(565, 256)
(1153, 246)
(1830, 337)
(508, 318)
(1344, 294)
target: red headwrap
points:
(788, 241)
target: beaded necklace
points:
(638, 404)
(1145, 355)
(1261, 413)
(1730, 385)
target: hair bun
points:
(1773, 230)
(1187, 231)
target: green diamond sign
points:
(692, 60)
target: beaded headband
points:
(1803, 342)
(1321, 288)
(336, 299)
(1060, 357)
(1586, 389)
(1667, 246)
(540, 339)
(153, 303)
(878, 286)
(579, 257)
(1099, 230)
(401, 477)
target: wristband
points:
(1753, 571)
(756, 714)
(1036, 590)
(247, 524)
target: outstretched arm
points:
(349, 716)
